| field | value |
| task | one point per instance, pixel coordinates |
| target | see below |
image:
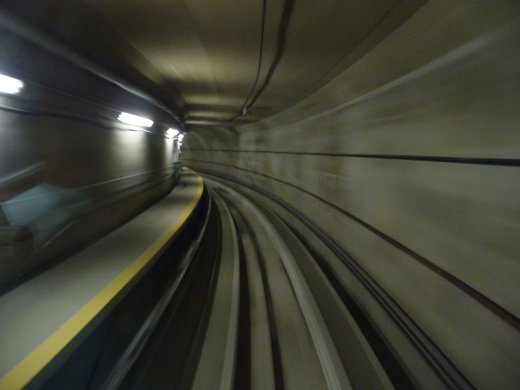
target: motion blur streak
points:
(379, 139)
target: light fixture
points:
(10, 85)
(134, 120)
(170, 133)
(180, 137)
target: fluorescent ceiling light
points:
(170, 133)
(10, 85)
(134, 120)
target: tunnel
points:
(269, 194)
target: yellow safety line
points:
(32, 364)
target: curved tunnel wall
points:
(64, 159)
(409, 159)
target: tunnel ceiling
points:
(210, 59)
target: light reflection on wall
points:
(63, 183)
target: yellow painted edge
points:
(33, 363)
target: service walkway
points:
(41, 319)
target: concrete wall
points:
(65, 161)
(410, 160)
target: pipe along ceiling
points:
(220, 62)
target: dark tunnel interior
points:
(269, 194)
